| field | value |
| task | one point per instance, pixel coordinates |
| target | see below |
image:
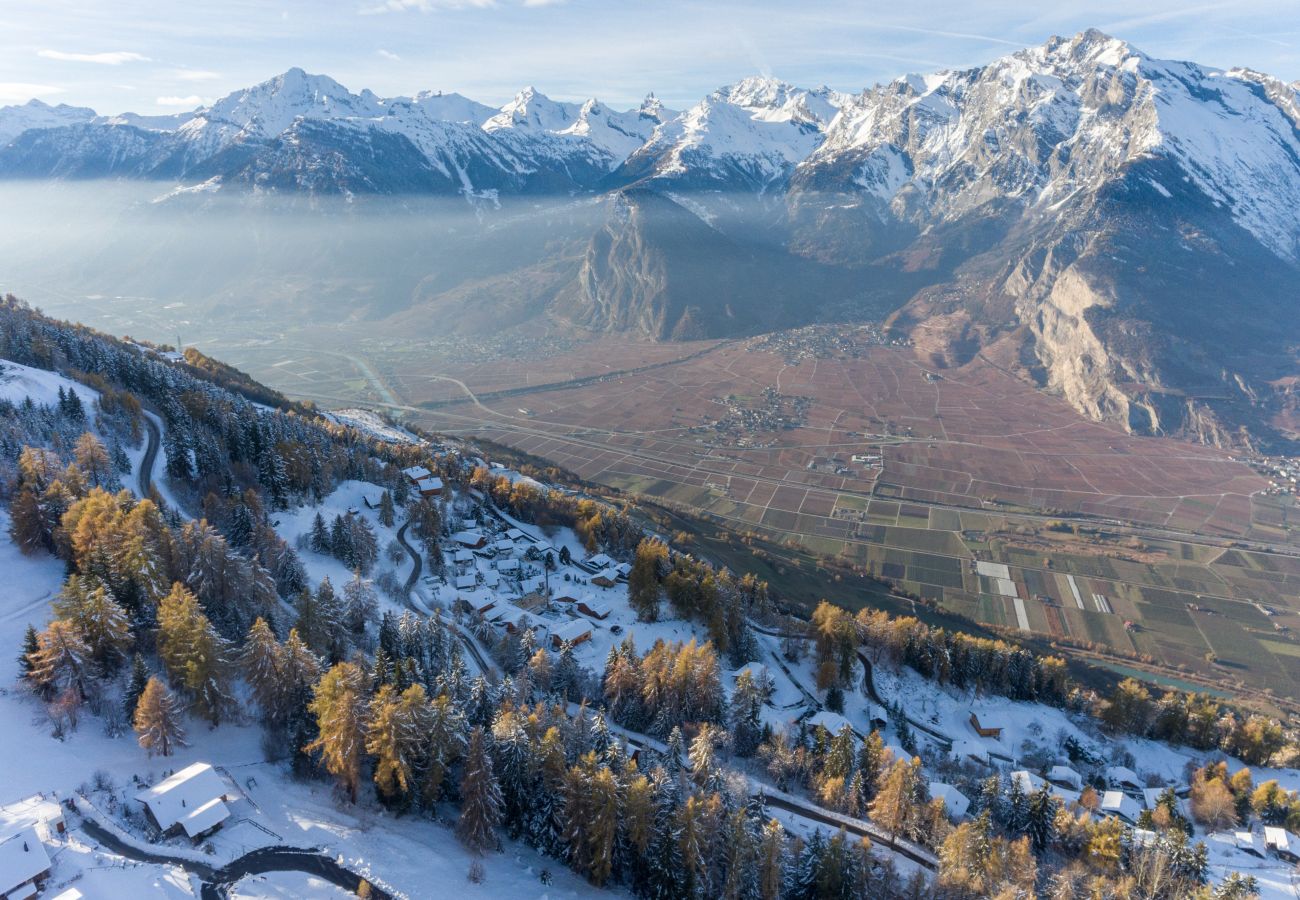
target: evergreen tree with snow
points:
(360, 603)
(259, 663)
(158, 720)
(319, 539)
(746, 716)
(30, 647)
(1040, 817)
(135, 686)
(387, 515)
(480, 810)
(195, 657)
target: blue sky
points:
(166, 55)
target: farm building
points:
(1118, 803)
(597, 609)
(491, 579)
(1065, 777)
(45, 814)
(1282, 842)
(954, 801)
(192, 800)
(466, 582)
(24, 865)
(429, 487)
(471, 539)
(605, 578)
(574, 632)
(1250, 842)
(1123, 778)
(985, 728)
(416, 474)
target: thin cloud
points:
(388, 54)
(424, 6)
(22, 91)
(195, 75)
(185, 102)
(111, 58)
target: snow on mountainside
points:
(14, 120)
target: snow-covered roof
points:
(600, 561)
(1028, 781)
(1250, 841)
(609, 574)
(514, 534)
(22, 858)
(1120, 804)
(466, 582)
(1281, 840)
(429, 484)
(187, 798)
(831, 721)
(1122, 775)
(1065, 775)
(469, 523)
(491, 578)
(508, 565)
(598, 608)
(509, 614)
(464, 556)
(623, 569)
(965, 747)
(468, 538)
(570, 631)
(955, 800)
(36, 811)
(416, 473)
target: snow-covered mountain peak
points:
(451, 107)
(530, 108)
(14, 120)
(267, 109)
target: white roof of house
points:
(623, 569)
(514, 534)
(415, 473)
(1281, 839)
(1066, 774)
(955, 800)
(468, 538)
(1028, 781)
(571, 630)
(464, 556)
(465, 582)
(598, 608)
(831, 721)
(505, 544)
(508, 613)
(187, 798)
(1250, 840)
(600, 561)
(491, 578)
(508, 565)
(429, 484)
(610, 574)
(1120, 804)
(22, 858)
(1122, 775)
(469, 522)
(35, 811)
(963, 747)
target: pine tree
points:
(387, 515)
(319, 542)
(101, 622)
(259, 662)
(480, 810)
(360, 603)
(339, 705)
(446, 735)
(92, 459)
(135, 686)
(158, 720)
(873, 758)
(333, 627)
(26, 659)
(746, 715)
(643, 581)
(1041, 818)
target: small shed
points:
(605, 577)
(1118, 803)
(24, 865)
(984, 727)
(965, 748)
(192, 800)
(565, 597)
(597, 609)
(1065, 777)
(574, 632)
(954, 801)
(1282, 842)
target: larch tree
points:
(480, 810)
(194, 655)
(62, 660)
(158, 720)
(339, 704)
(93, 460)
(397, 737)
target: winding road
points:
(150, 458)
(217, 881)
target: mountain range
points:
(1118, 229)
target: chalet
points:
(876, 716)
(469, 523)
(1250, 842)
(491, 578)
(624, 570)
(471, 539)
(24, 865)
(511, 617)
(416, 474)
(833, 722)
(429, 487)
(504, 547)
(44, 814)
(600, 561)
(463, 557)
(597, 609)
(1123, 778)
(964, 748)
(466, 582)
(508, 567)
(954, 801)
(605, 578)
(565, 597)
(483, 604)
(514, 534)
(1118, 803)
(192, 800)
(1027, 780)
(1282, 842)
(574, 633)
(985, 728)
(1065, 777)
